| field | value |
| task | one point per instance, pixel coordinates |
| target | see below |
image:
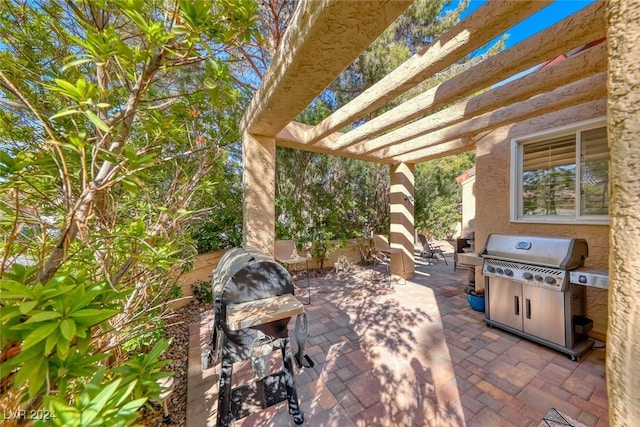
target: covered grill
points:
(529, 293)
(253, 303)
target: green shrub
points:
(202, 292)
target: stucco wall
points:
(493, 200)
(203, 266)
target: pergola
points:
(325, 36)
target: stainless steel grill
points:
(529, 291)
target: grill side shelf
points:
(259, 312)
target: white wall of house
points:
(468, 206)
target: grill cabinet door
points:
(543, 313)
(505, 302)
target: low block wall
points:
(349, 250)
(204, 265)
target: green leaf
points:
(62, 348)
(210, 83)
(15, 290)
(67, 89)
(81, 332)
(75, 63)
(22, 376)
(38, 375)
(7, 313)
(132, 188)
(63, 113)
(94, 312)
(92, 316)
(97, 121)
(81, 301)
(125, 393)
(25, 356)
(98, 403)
(39, 334)
(55, 291)
(43, 316)
(131, 407)
(68, 415)
(27, 306)
(68, 329)
(51, 342)
(158, 349)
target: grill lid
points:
(246, 274)
(556, 252)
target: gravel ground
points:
(178, 354)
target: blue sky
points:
(537, 22)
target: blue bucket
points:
(476, 302)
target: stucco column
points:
(623, 336)
(258, 180)
(402, 226)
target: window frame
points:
(516, 172)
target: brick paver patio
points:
(413, 354)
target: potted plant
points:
(475, 297)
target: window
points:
(562, 176)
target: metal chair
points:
(383, 253)
(430, 251)
(287, 253)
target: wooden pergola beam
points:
(324, 37)
(479, 28)
(491, 136)
(292, 136)
(442, 150)
(588, 89)
(576, 30)
(579, 66)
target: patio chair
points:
(430, 251)
(383, 253)
(287, 254)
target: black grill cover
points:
(246, 274)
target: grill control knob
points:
(539, 278)
(550, 280)
(491, 268)
(499, 270)
(527, 276)
(508, 272)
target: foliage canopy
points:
(113, 122)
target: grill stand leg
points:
(295, 266)
(292, 394)
(224, 388)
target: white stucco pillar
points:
(402, 211)
(623, 117)
(258, 181)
